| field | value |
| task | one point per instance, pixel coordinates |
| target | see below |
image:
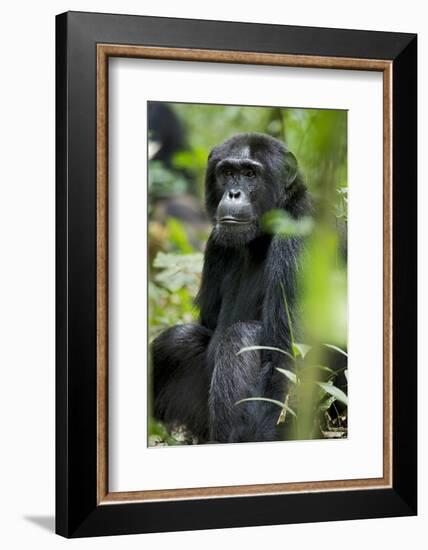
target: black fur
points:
(198, 376)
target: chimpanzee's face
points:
(246, 177)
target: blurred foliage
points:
(174, 280)
(278, 222)
(163, 182)
(316, 401)
(323, 289)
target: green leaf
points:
(345, 372)
(290, 375)
(189, 262)
(300, 349)
(279, 222)
(326, 403)
(267, 400)
(334, 391)
(178, 270)
(255, 348)
(178, 235)
(194, 159)
(335, 348)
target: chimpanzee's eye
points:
(249, 173)
(227, 172)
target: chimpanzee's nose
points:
(234, 194)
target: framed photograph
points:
(236, 274)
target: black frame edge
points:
(237, 36)
(404, 174)
(61, 249)
(223, 513)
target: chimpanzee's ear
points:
(291, 167)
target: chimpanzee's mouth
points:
(230, 220)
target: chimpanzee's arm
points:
(280, 280)
(209, 296)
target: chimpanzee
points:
(166, 129)
(198, 377)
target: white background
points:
(27, 276)
(133, 466)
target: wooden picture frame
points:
(84, 505)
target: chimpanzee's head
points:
(248, 175)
